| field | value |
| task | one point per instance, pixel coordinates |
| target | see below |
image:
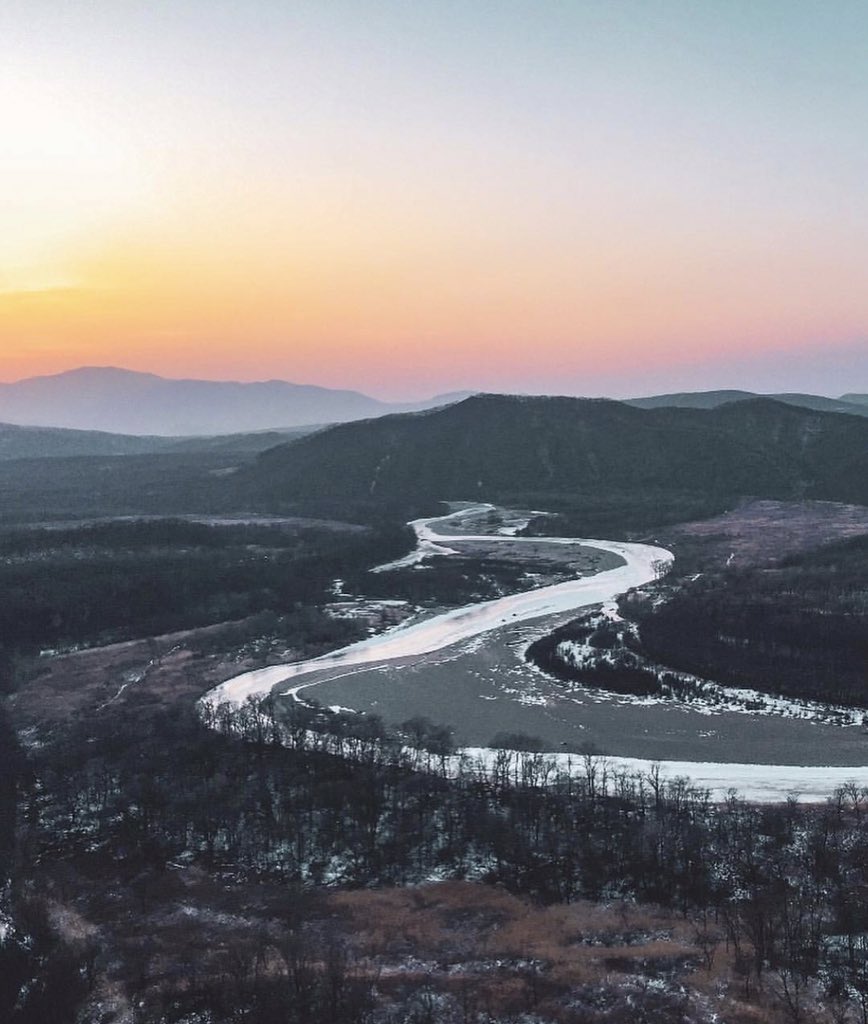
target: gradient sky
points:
(408, 198)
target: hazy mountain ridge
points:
(22, 442)
(111, 400)
(498, 447)
(127, 402)
(856, 405)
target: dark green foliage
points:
(610, 467)
(628, 678)
(800, 629)
(119, 580)
(37, 490)
(713, 399)
(560, 451)
(692, 399)
(622, 514)
(17, 442)
(632, 680)
(158, 533)
(616, 667)
(48, 442)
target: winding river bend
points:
(641, 564)
(465, 668)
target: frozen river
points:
(642, 563)
(440, 666)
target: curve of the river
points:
(642, 563)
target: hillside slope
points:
(48, 442)
(713, 399)
(18, 442)
(509, 448)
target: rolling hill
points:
(856, 405)
(503, 448)
(18, 442)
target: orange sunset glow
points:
(406, 203)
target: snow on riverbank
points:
(424, 549)
(758, 783)
(682, 689)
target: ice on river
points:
(642, 563)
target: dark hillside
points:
(50, 442)
(57, 443)
(691, 399)
(853, 404)
(829, 449)
(820, 403)
(91, 486)
(796, 629)
(508, 448)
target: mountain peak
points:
(95, 373)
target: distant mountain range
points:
(123, 401)
(499, 447)
(117, 401)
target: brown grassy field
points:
(758, 532)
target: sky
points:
(571, 197)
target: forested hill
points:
(853, 404)
(41, 442)
(18, 442)
(501, 447)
